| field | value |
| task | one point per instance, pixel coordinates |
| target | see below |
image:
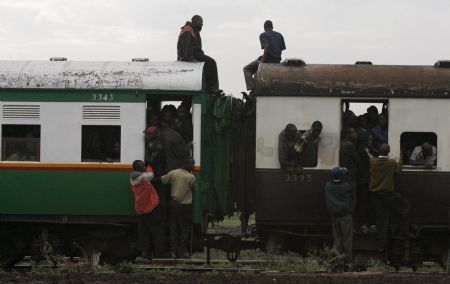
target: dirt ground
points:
(366, 278)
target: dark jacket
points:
(175, 148)
(285, 151)
(348, 158)
(154, 156)
(338, 198)
(189, 43)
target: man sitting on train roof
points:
(306, 147)
(273, 44)
(189, 48)
(424, 155)
(286, 141)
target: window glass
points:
(100, 143)
(419, 149)
(21, 143)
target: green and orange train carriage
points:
(56, 116)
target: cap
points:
(151, 129)
(338, 172)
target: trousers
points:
(384, 202)
(343, 234)
(150, 233)
(211, 76)
(180, 223)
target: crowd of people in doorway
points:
(163, 184)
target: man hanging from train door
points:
(382, 171)
(182, 186)
(348, 157)
(189, 48)
(273, 44)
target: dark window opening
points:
(21, 143)
(419, 149)
(100, 143)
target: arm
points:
(264, 45)
(188, 52)
(165, 179)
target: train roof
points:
(359, 80)
(170, 76)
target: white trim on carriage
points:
(170, 76)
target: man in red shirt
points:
(148, 213)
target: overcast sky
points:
(318, 31)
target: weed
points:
(126, 267)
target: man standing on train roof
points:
(305, 148)
(338, 198)
(382, 172)
(189, 48)
(273, 44)
(424, 155)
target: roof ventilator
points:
(139, 59)
(58, 58)
(363, 63)
(294, 62)
(442, 64)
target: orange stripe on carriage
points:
(65, 167)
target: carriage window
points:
(100, 143)
(419, 149)
(21, 143)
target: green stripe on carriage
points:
(94, 96)
(65, 192)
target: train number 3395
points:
(297, 178)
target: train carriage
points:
(69, 133)
(290, 208)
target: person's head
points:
(197, 22)
(372, 113)
(268, 26)
(151, 133)
(182, 112)
(337, 173)
(168, 114)
(350, 134)
(384, 149)
(427, 149)
(316, 129)
(138, 166)
(189, 164)
(361, 122)
(291, 131)
(382, 121)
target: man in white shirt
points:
(424, 155)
